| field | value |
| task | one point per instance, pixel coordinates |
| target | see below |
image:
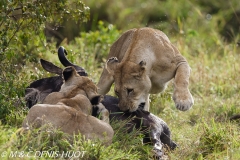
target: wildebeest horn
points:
(63, 59)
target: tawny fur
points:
(142, 62)
(70, 109)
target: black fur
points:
(96, 100)
(140, 119)
(67, 73)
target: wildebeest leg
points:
(102, 112)
(159, 137)
(153, 137)
(165, 138)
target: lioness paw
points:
(183, 100)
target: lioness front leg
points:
(105, 82)
(181, 95)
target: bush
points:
(21, 35)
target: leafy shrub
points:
(21, 36)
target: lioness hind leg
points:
(182, 97)
(103, 112)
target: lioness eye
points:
(129, 90)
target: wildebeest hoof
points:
(102, 112)
(159, 154)
(158, 151)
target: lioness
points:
(142, 61)
(70, 109)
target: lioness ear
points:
(139, 69)
(96, 100)
(111, 65)
(142, 64)
(68, 72)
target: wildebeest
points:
(39, 89)
(159, 133)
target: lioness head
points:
(132, 85)
(73, 85)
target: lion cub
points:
(70, 109)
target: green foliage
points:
(165, 14)
(22, 15)
(91, 49)
(11, 91)
(100, 40)
(22, 39)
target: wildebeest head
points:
(37, 91)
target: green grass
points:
(204, 132)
